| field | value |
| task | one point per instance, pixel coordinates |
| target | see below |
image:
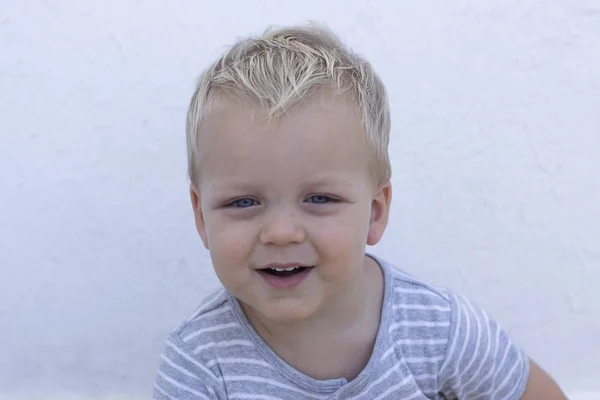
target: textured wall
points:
(496, 139)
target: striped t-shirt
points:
(431, 344)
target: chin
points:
(282, 313)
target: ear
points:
(380, 211)
(198, 215)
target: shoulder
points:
(210, 333)
(211, 325)
(419, 323)
(413, 299)
(451, 342)
(411, 289)
(188, 363)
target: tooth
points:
(284, 269)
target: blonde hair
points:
(285, 66)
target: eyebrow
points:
(325, 180)
(330, 177)
(328, 182)
(231, 184)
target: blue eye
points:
(243, 203)
(320, 199)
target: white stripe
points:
(210, 329)
(421, 342)
(487, 351)
(178, 368)
(247, 378)
(423, 307)
(396, 387)
(416, 360)
(499, 367)
(477, 344)
(387, 353)
(205, 304)
(491, 389)
(450, 351)
(399, 273)
(423, 291)
(510, 374)
(416, 324)
(186, 372)
(366, 390)
(414, 396)
(424, 376)
(192, 360)
(491, 372)
(404, 277)
(158, 388)
(212, 313)
(182, 386)
(238, 361)
(252, 396)
(465, 342)
(227, 343)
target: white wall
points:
(496, 139)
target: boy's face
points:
(295, 192)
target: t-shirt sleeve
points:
(181, 376)
(481, 360)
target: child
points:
(290, 180)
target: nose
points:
(281, 228)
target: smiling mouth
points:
(283, 272)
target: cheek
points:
(231, 245)
(230, 241)
(344, 234)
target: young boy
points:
(290, 180)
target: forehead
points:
(322, 136)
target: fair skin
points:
(300, 190)
(307, 196)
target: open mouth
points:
(284, 272)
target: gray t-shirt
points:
(431, 344)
